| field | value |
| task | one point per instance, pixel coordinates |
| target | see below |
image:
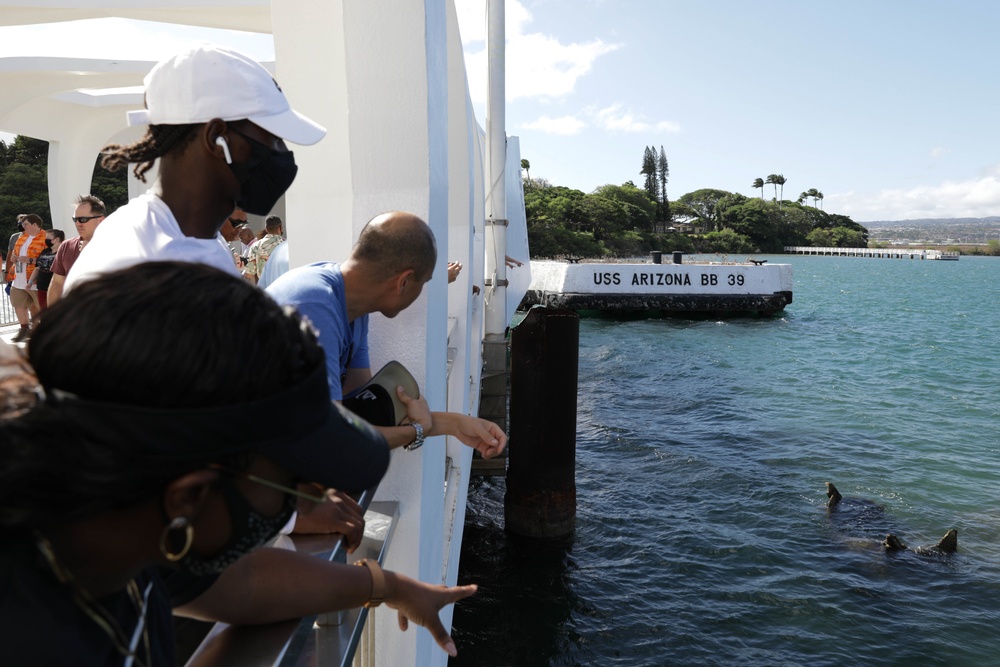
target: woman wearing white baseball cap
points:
(218, 122)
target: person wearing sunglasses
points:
(89, 212)
(232, 238)
(125, 495)
(217, 126)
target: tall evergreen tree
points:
(649, 170)
(664, 173)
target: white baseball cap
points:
(210, 81)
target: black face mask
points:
(250, 529)
(48, 243)
(264, 177)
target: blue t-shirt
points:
(317, 291)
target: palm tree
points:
(527, 168)
(811, 193)
(759, 183)
(819, 196)
(772, 179)
(802, 197)
(780, 180)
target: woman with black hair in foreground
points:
(120, 460)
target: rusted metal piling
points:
(541, 469)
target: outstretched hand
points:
(511, 262)
(454, 268)
(481, 434)
(419, 602)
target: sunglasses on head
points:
(85, 218)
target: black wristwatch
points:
(418, 441)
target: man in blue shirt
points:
(385, 273)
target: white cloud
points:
(616, 119)
(536, 65)
(564, 125)
(613, 119)
(975, 198)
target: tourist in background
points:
(230, 234)
(24, 295)
(88, 213)
(9, 256)
(262, 249)
(43, 266)
(247, 237)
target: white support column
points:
(361, 70)
(496, 157)
(74, 146)
(311, 68)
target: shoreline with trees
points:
(625, 220)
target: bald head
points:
(394, 242)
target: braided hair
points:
(157, 142)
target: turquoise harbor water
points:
(702, 535)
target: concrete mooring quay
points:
(883, 253)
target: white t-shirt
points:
(145, 230)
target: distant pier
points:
(883, 253)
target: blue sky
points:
(887, 107)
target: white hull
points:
(671, 288)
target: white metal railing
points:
(7, 315)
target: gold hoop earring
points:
(178, 523)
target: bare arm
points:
(274, 584)
(480, 434)
(56, 288)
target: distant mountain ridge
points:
(932, 222)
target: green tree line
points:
(24, 187)
(626, 220)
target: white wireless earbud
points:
(221, 141)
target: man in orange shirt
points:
(23, 297)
